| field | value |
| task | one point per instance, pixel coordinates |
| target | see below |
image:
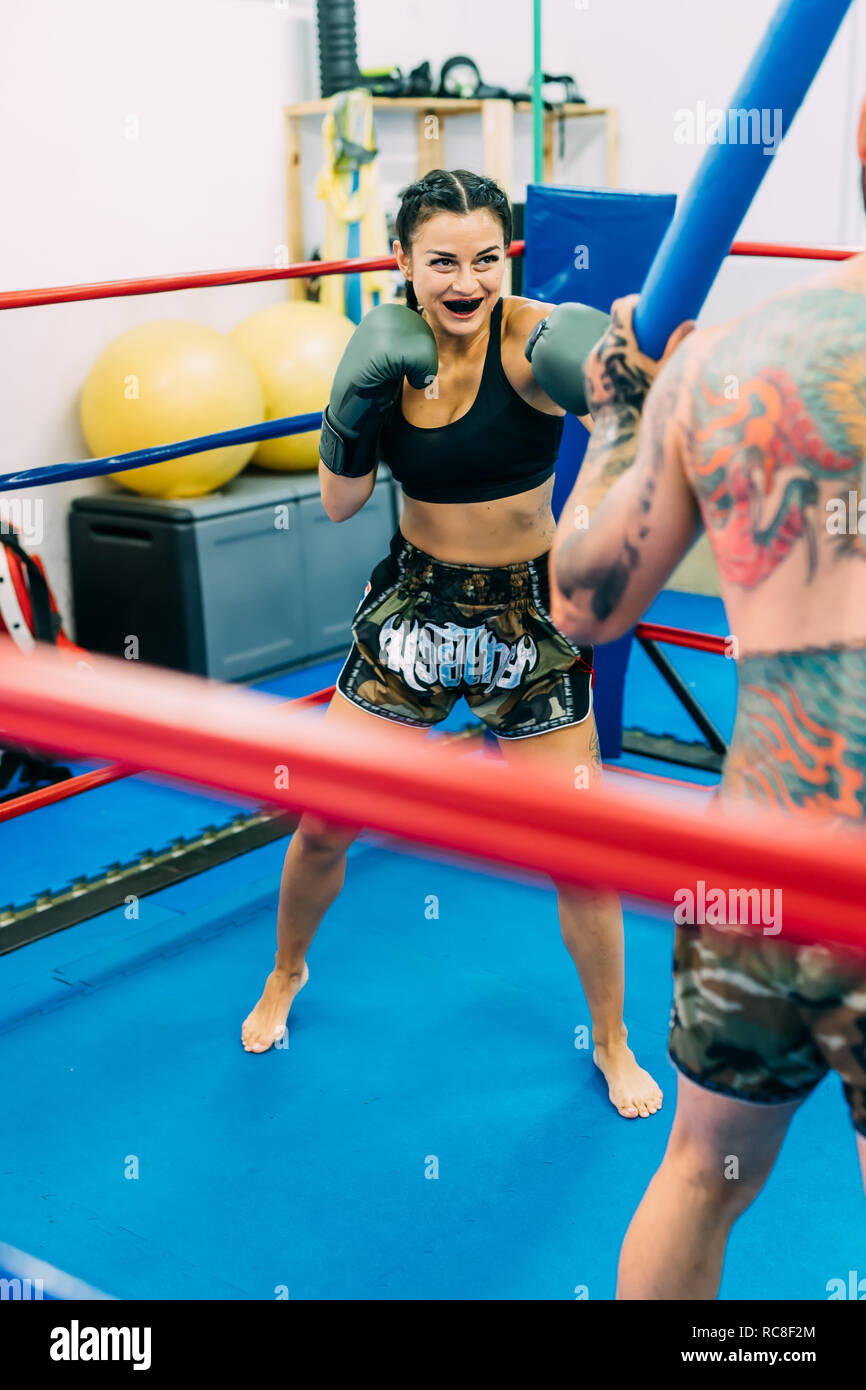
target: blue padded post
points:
(730, 173)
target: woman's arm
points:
(342, 497)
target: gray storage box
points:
(236, 585)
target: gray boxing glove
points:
(557, 348)
(389, 343)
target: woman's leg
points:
(592, 930)
(313, 873)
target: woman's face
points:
(456, 266)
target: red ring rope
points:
(682, 637)
(799, 253)
(158, 284)
(83, 782)
(196, 280)
(100, 777)
(250, 744)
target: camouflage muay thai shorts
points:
(763, 1021)
(427, 632)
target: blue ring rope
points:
(159, 453)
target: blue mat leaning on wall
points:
(591, 245)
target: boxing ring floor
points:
(304, 1169)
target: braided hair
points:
(448, 190)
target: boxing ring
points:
(433, 1126)
(650, 636)
(66, 991)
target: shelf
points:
(497, 147)
(452, 106)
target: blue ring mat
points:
(303, 1170)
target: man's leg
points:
(718, 1158)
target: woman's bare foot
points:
(631, 1089)
(267, 1022)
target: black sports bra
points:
(500, 447)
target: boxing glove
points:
(389, 343)
(557, 348)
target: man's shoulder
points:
(815, 302)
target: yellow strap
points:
(352, 114)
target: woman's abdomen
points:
(501, 532)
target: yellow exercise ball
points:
(295, 348)
(166, 381)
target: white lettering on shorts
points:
(424, 654)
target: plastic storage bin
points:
(241, 583)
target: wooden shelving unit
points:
(497, 145)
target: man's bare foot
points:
(267, 1022)
(631, 1089)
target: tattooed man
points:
(755, 431)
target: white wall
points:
(199, 183)
(651, 60)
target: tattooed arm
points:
(632, 514)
